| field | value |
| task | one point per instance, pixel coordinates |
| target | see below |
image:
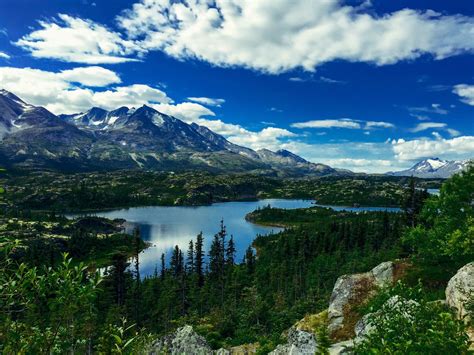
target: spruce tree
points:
(199, 260)
(190, 258)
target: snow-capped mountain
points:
(433, 168)
(97, 118)
(127, 138)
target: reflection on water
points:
(165, 227)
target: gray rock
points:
(364, 326)
(343, 347)
(299, 343)
(345, 290)
(352, 290)
(460, 291)
(184, 341)
(383, 273)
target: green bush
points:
(413, 327)
(446, 233)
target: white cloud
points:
(427, 125)
(130, 96)
(297, 79)
(378, 124)
(186, 111)
(453, 132)
(207, 101)
(325, 79)
(72, 39)
(57, 92)
(269, 137)
(4, 55)
(365, 165)
(421, 148)
(276, 35)
(339, 123)
(343, 123)
(190, 112)
(466, 92)
(90, 76)
(434, 108)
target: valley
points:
(236, 177)
(168, 224)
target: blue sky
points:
(366, 85)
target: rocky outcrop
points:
(183, 341)
(299, 343)
(460, 291)
(351, 291)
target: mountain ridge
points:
(128, 138)
(433, 168)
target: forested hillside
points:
(58, 307)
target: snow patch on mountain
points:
(434, 168)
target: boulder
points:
(299, 343)
(460, 291)
(351, 291)
(183, 341)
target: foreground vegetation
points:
(65, 308)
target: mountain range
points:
(433, 168)
(128, 138)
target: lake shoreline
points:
(124, 207)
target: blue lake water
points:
(165, 227)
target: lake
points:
(164, 227)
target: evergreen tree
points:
(176, 262)
(137, 293)
(230, 251)
(199, 260)
(119, 266)
(163, 267)
(249, 260)
(190, 258)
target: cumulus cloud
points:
(427, 125)
(422, 148)
(364, 165)
(190, 112)
(207, 101)
(90, 76)
(58, 92)
(276, 36)
(4, 55)
(465, 92)
(343, 123)
(269, 137)
(186, 111)
(72, 39)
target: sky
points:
(370, 86)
